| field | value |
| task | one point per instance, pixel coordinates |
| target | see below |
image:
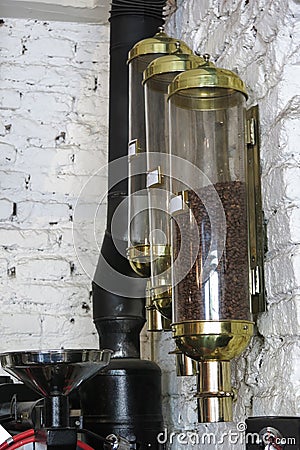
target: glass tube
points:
(207, 130)
(140, 56)
(157, 78)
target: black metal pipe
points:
(125, 399)
(131, 21)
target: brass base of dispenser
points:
(213, 344)
(185, 366)
(155, 321)
(162, 300)
(139, 259)
(215, 393)
(218, 340)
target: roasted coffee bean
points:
(224, 294)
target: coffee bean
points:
(224, 294)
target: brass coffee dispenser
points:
(142, 53)
(212, 320)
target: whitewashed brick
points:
(281, 273)
(283, 226)
(45, 48)
(63, 334)
(46, 160)
(23, 239)
(274, 387)
(47, 107)
(11, 47)
(43, 214)
(42, 269)
(90, 140)
(279, 232)
(41, 294)
(20, 324)
(32, 131)
(291, 135)
(9, 99)
(85, 105)
(79, 33)
(62, 183)
(45, 72)
(291, 180)
(294, 215)
(87, 51)
(7, 154)
(3, 267)
(17, 73)
(12, 180)
(277, 320)
(6, 209)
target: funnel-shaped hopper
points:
(55, 372)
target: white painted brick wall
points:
(260, 41)
(53, 136)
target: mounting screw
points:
(11, 272)
(206, 57)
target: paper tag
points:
(176, 204)
(132, 147)
(153, 177)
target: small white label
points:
(4, 435)
(153, 177)
(132, 147)
(176, 204)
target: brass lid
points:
(172, 63)
(207, 77)
(159, 43)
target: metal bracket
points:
(256, 217)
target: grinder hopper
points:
(55, 372)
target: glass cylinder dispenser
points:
(157, 77)
(139, 57)
(212, 322)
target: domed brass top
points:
(160, 43)
(172, 63)
(204, 79)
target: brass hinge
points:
(256, 217)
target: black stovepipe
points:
(120, 318)
(126, 397)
